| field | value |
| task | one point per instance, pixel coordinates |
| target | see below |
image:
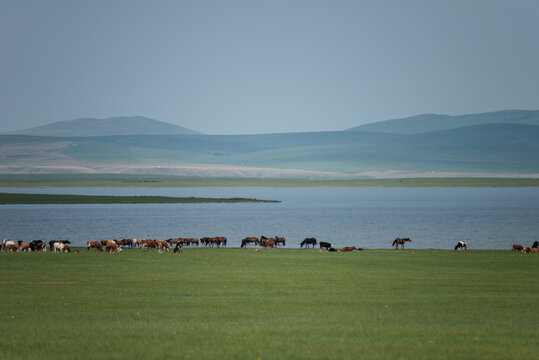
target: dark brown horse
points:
(307, 242)
(280, 240)
(248, 241)
(400, 241)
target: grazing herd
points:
(177, 244)
(526, 250)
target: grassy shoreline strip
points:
(125, 180)
(14, 198)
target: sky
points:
(253, 66)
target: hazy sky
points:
(238, 67)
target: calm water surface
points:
(488, 218)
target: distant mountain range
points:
(121, 125)
(505, 142)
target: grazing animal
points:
(13, 247)
(60, 247)
(307, 242)
(248, 241)
(400, 241)
(526, 250)
(518, 248)
(325, 245)
(535, 244)
(125, 242)
(144, 243)
(218, 241)
(6, 243)
(178, 248)
(269, 243)
(161, 244)
(52, 242)
(113, 247)
(331, 249)
(94, 244)
(348, 248)
(534, 250)
(462, 245)
(280, 240)
(24, 246)
(38, 245)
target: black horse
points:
(535, 244)
(307, 242)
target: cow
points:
(144, 243)
(60, 247)
(325, 245)
(12, 247)
(52, 242)
(113, 247)
(178, 248)
(38, 245)
(348, 248)
(462, 245)
(161, 244)
(94, 244)
(518, 248)
(126, 242)
(24, 246)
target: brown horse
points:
(400, 241)
(518, 248)
(248, 241)
(269, 243)
(280, 240)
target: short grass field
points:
(277, 304)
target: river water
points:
(487, 218)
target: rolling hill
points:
(482, 145)
(433, 122)
(122, 125)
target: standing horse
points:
(248, 241)
(400, 241)
(281, 240)
(307, 242)
(462, 245)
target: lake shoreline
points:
(165, 181)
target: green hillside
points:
(433, 122)
(493, 147)
(121, 125)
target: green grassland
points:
(15, 198)
(277, 304)
(125, 180)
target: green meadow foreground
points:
(277, 304)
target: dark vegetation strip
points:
(12, 198)
(125, 180)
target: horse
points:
(248, 241)
(462, 245)
(307, 242)
(325, 245)
(349, 248)
(281, 240)
(535, 244)
(400, 241)
(269, 243)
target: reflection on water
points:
(488, 218)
